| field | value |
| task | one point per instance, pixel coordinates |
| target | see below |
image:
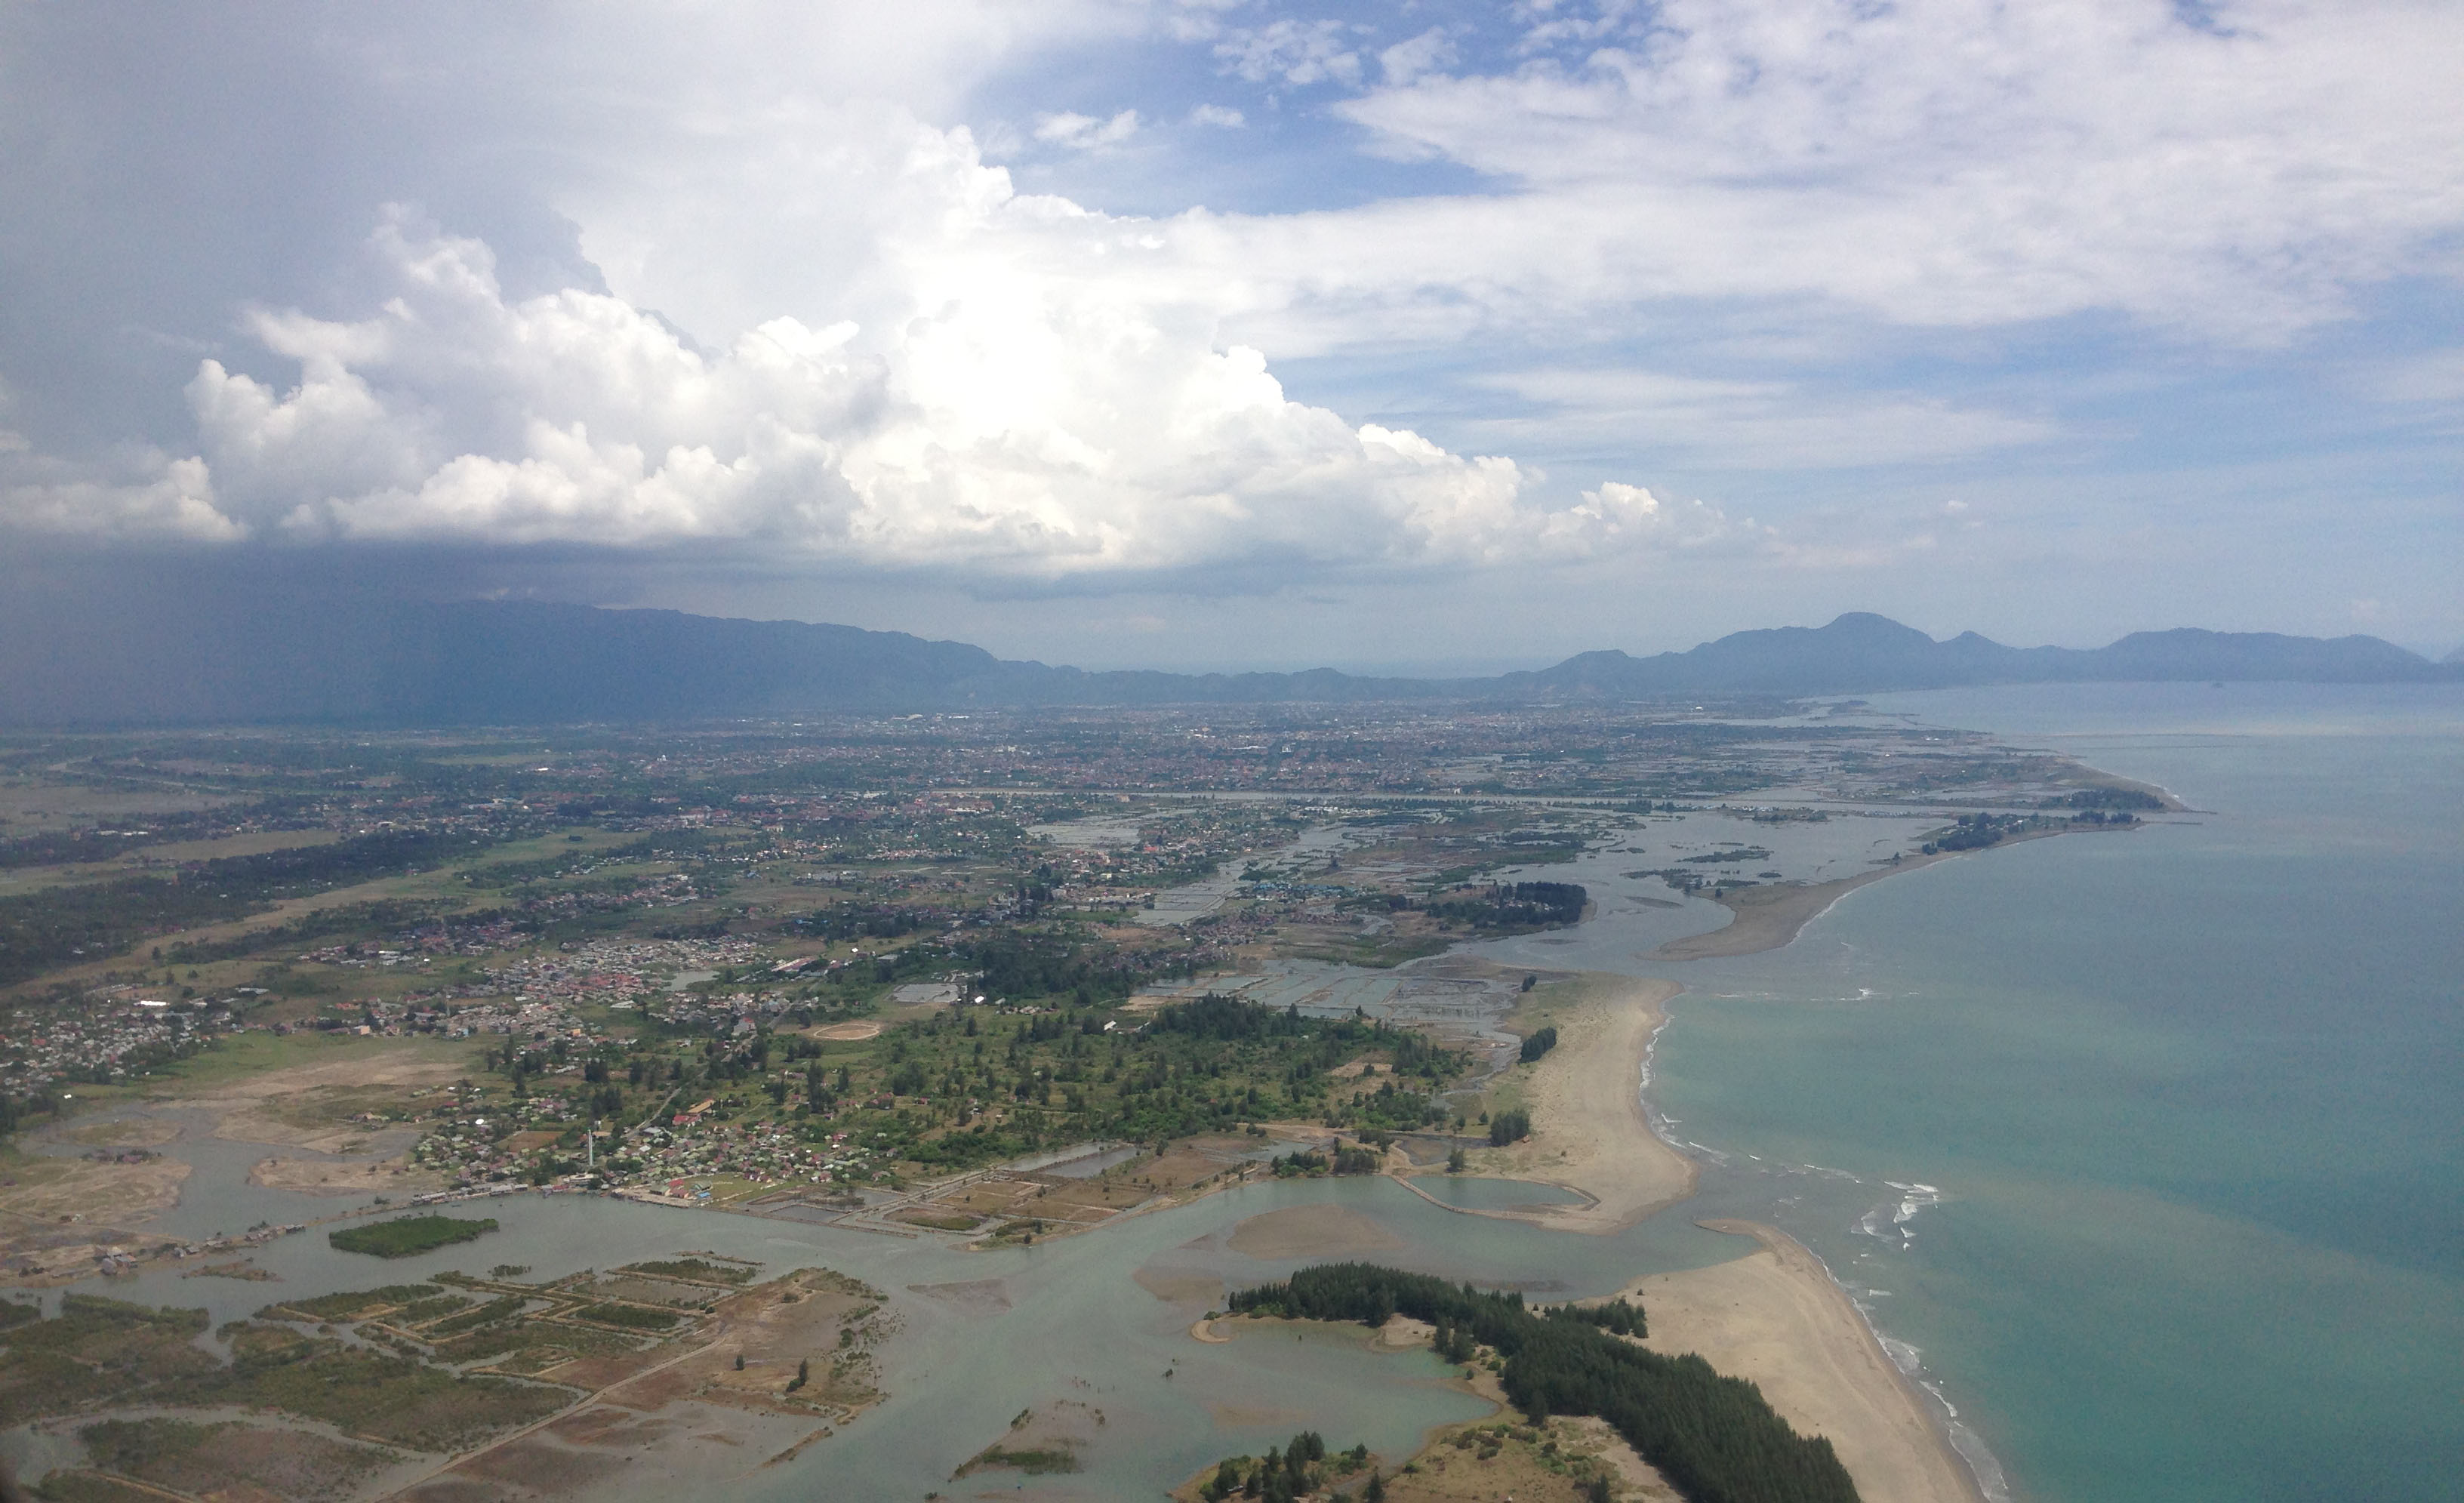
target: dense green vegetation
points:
(696, 1269)
(1036, 1461)
(1514, 905)
(380, 915)
(1508, 1127)
(1286, 1473)
(207, 1459)
(2108, 799)
(1539, 1042)
(1309, 1163)
(96, 1350)
(407, 1235)
(1735, 853)
(351, 1304)
(631, 1317)
(56, 926)
(1209, 1065)
(1715, 1439)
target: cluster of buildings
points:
(672, 1156)
(117, 1032)
(619, 971)
(485, 1147)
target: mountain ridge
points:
(287, 660)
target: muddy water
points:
(1062, 1321)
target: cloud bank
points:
(820, 328)
(1014, 419)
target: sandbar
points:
(1776, 1317)
(1767, 917)
(1588, 1129)
(1310, 1231)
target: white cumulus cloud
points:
(2231, 173)
(1016, 408)
(163, 499)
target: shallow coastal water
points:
(2147, 1144)
(986, 1334)
(2143, 1146)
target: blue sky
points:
(1229, 334)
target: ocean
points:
(2148, 1150)
(2144, 1152)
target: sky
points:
(1200, 334)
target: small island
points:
(407, 1236)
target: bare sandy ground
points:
(78, 1192)
(59, 1216)
(325, 1177)
(1768, 917)
(1776, 1317)
(1180, 1289)
(1588, 1131)
(1310, 1231)
(128, 1132)
(251, 1109)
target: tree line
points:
(1715, 1439)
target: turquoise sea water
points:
(2151, 1146)
(2183, 1111)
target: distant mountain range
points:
(280, 660)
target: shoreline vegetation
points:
(1589, 1133)
(1777, 1318)
(1774, 1316)
(1711, 1435)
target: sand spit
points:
(1776, 1317)
(1768, 917)
(1588, 1129)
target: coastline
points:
(1777, 1317)
(1767, 917)
(1589, 1132)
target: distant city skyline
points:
(1203, 333)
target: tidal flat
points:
(1049, 1072)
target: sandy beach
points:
(1776, 1317)
(1588, 1131)
(1768, 917)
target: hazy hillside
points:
(279, 658)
